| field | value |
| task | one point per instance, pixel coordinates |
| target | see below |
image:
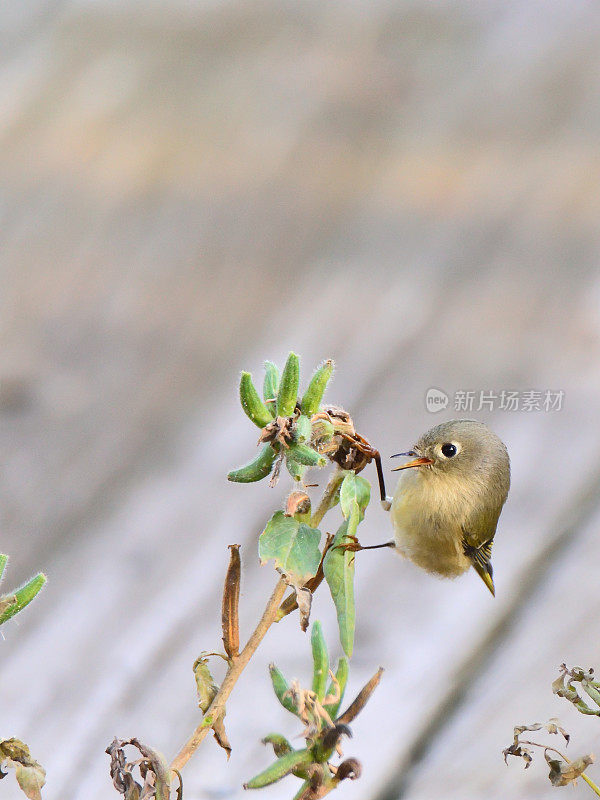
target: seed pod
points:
(302, 429)
(282, 767)
(320, 661)
(287, 397)
(316, 388)
(295, 469)
(304, 454)
(341, 677)
(281, 689)
(253, 406)
(230, 606)
(255, 470)
(298, 506)
(271, 387)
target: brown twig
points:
(217, 708)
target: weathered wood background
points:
(410, 188)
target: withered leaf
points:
(231, 601)
(218, 727)
(562, 773)
(518, 750)
(361, 699)
(304, 600)
(206, 688)
(153, 768)
(30, 775)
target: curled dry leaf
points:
(218, 727)
(30, 775)
(304, 601)
(564, 772)
(231, 601)
(206, 688)
(152, 767)
(517, 749)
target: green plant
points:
(14, 753)
(297, 431)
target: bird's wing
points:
(478, 538)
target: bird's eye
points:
(448, 449)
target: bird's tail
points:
(480, 558)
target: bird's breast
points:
(428, 525)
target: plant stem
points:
(335, 481)
(591, 784)
(237, 665)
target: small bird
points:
(449, 497)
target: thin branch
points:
(217, 708)
(335, 481)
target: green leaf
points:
(304, 454)
(320, 661)
(338, 568)
(282, 689)
(316, 388)
(302, 429)
(23, 596)
(293, 545)
(282, 767)
(271, 387)
(295, 469)
(253, 406)
(356, 488)
(287, 396)
(255, 470)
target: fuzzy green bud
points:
(313, 395)
(271, 387)
(287, 397)
(253, 406)
(254, 470)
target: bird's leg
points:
(353, 546)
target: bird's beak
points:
(417, 462)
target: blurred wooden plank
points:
(148, 238)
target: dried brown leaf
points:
(30, 775)
(361, 699)
(231, 601)
(304, 600)
(562, 772)
(153, 769)
(218, 727)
